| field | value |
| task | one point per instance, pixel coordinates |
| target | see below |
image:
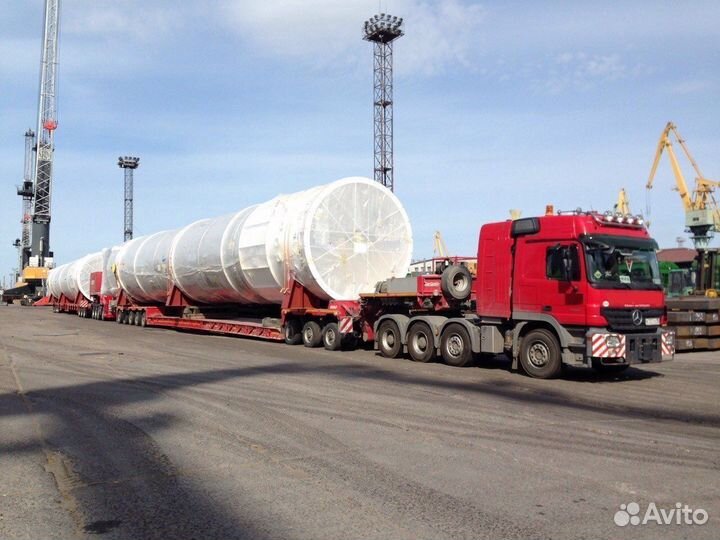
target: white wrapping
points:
(110, 285)
(337, 239)
(142, 266)
(86, 266)
(53, 281)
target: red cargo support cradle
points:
(95, 283)
(176, 298)
(298, 299)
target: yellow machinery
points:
(439, 247)
(702, 215)
(622, 205)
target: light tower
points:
(382, 30)
(129, 164)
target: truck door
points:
(549, 279)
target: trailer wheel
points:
(118, 317)
(456, 282)
(293, 332)
(455, 345)
(388, 338)
(540, 354)
(331, 337)
(143, 319)
(421, 343)
(311, 334)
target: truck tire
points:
(540, 354)
(292, 331)
(118, 317)
(331, 337)
(389, 340)
(456, 282)
(455, 345)
(421, 343)
(311, 334)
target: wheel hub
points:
(455, 345)
(538, 354)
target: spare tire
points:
(456, 282)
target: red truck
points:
(579, 288)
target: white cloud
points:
(692, 86)
(439, 34)
(580, 70)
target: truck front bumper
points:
(632, 348)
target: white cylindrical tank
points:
(110, 285)
(86, 266)
(68, 280)
(53, 281)
(142, 266)
(338, 240)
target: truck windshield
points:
(622, 262)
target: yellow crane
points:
(439, 247)
(623, 203)
(702, 215)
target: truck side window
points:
(555, 261)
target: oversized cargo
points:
(337, 240)
(73, 278)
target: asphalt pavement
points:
(122, 432)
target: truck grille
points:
(622, 318)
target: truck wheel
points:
(311, 334)
(388, 338)
(293, 332)
(118, 317)
(143, 319)
(540, 354)
(421, 343)
(455, 345)
(331, 337)
(456, 282)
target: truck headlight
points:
(612, 341)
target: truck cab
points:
(589, 282)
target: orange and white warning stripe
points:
(346, 325)
(600, 347)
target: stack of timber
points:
(696, 321)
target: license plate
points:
(652, 321)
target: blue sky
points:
(499, 105)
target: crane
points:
(37, 257)
(702, 215)
(46, 126)
(439, 247)
(623, 203)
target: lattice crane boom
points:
(46, 126)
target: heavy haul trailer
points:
(578, 289)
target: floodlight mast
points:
(382, 30)
(128, 164)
